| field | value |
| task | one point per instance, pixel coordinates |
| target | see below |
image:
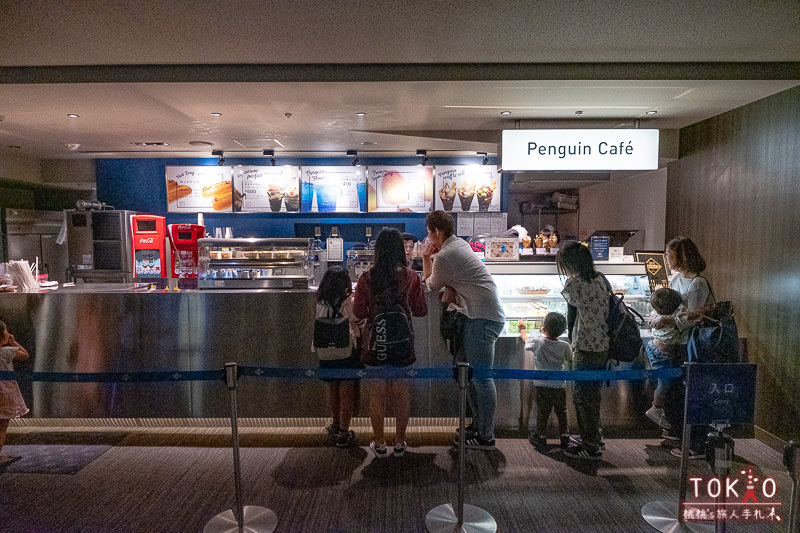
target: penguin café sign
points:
(566, 149)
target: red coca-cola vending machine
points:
(149, 244)
(183, 249)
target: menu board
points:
(258, 189)
(400, 189)
(462, 188)
(196, 189)
(333, 189)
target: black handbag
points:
(715, 339)
(624, 338)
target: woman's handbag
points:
(715, 339)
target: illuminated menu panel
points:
(464, 188)
(266, 189)
(199, 189)
(400, 188)
(333, 189)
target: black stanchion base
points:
(256, 520)
(664, 517)
(443, 518)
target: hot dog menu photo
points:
(401, 189)
(464, 188)
(196, 189)
(266, 189)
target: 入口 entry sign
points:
(565, 149)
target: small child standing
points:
(550, 354)
(664, 349)
(335, 299)
(12, 404)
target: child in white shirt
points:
(549, 353)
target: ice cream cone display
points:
(275, 193)
(485, 194)
(466, 193)
(447, 194)
(292, 199)
(538, 241)
(554, 240)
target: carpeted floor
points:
(177, 479)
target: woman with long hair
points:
(389, 280)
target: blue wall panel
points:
(140, 185)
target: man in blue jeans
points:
(472, 292)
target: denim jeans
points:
(659, 359)
(586, 396)
(477, 349)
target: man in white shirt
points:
(458, 268)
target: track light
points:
(485, 160)
(424, 155)
(271, 155)
(221, 156)
(354, 155)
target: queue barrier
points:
(365, 373)
(444, 517)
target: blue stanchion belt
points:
(346, 373)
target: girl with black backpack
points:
(387, 295)
(335, 335)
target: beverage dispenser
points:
(148, 241)
(183, 243)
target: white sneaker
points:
(656, 414)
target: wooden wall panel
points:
(735, 191)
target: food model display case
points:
(531, 290)
(249, 263)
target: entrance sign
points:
(566, 149)
(720, 393)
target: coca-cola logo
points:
(147, 240)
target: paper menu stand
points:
(599, 248)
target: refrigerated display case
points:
(249, 263)
(531, 290)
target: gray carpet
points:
(161, 484)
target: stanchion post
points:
(444, 518)
(719, 455)
(791, 459)
(250, 518)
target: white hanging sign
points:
(567, 149)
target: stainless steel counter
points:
(115, 328)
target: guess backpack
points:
(391, 337)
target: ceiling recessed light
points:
(368, 143)
(578, 114)
(200, 143)
(151, 143)
(650, 112)
(505, 112)
(72, 115)
(361, 114)
(215, 114)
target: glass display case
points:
(531, 290)
(280, 263)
